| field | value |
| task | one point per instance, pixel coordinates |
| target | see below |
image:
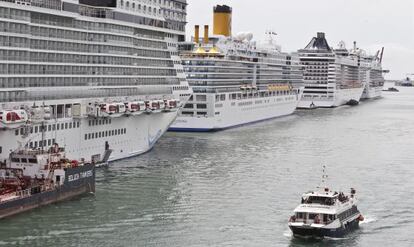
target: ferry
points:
(326, 213)
(32, 178)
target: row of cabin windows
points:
(42, 143)
(24, 160)
(348, 213)
(100, 122)
(105, 134)
(306, 216)
(50, 127)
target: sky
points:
(372, 23)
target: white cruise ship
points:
(101, 77)
(373, 89)
(332, 77)
(235, 80)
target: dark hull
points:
(311, 232)
(78, 181)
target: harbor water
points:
(239, 187)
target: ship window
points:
(40, 144)
(124, 130)
(110, 121)
(35, 144)
(36, 129)
(54, 127)
(89, 136)
(57, 126)
(77, 124)
(113, 132)
(70, 125)
(16, 160)
(66, 125)
(31, 145)
(34, 161)
(49, 142)
(1, 149)
(16, 132)
(299, 215)
(62, 126)
(23, 160)
(89, 122)
(100, 133)
(53, 141)
(312, 216)
(86, 136)
(49, 128)
(44, 143)
(100, 122)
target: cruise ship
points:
(373, 89)
(100, 77)
(334, 77)
(235, 80)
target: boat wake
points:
(368, 219)
(288, 233)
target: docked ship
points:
(101, 77)
(235, 80)
(373, 89)
(325, 213)
(32, 178)
(335, 77)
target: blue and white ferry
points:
(326, 213)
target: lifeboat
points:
(135, 108)
(153, 106)
(113, 109)
(171, 105)
(13, 119)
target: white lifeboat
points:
(171, 105)
(152, 106)
(113, 109)
(135, 108)
(13, 119)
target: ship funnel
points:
(206, 30)
(355, 46)
(197, 34)
(222, 20)
(321, 35)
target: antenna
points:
(324, 177)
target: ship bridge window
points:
(15, 160)
(24, 160)
(34, 161)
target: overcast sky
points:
(372, 23)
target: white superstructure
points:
(334, 77)
(235, 80)
(101, 77)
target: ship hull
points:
(236, 115)
(341, 97)
(125, 136)
(372, 93)
(78, 181)
(321, 232)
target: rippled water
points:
(239, 187)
